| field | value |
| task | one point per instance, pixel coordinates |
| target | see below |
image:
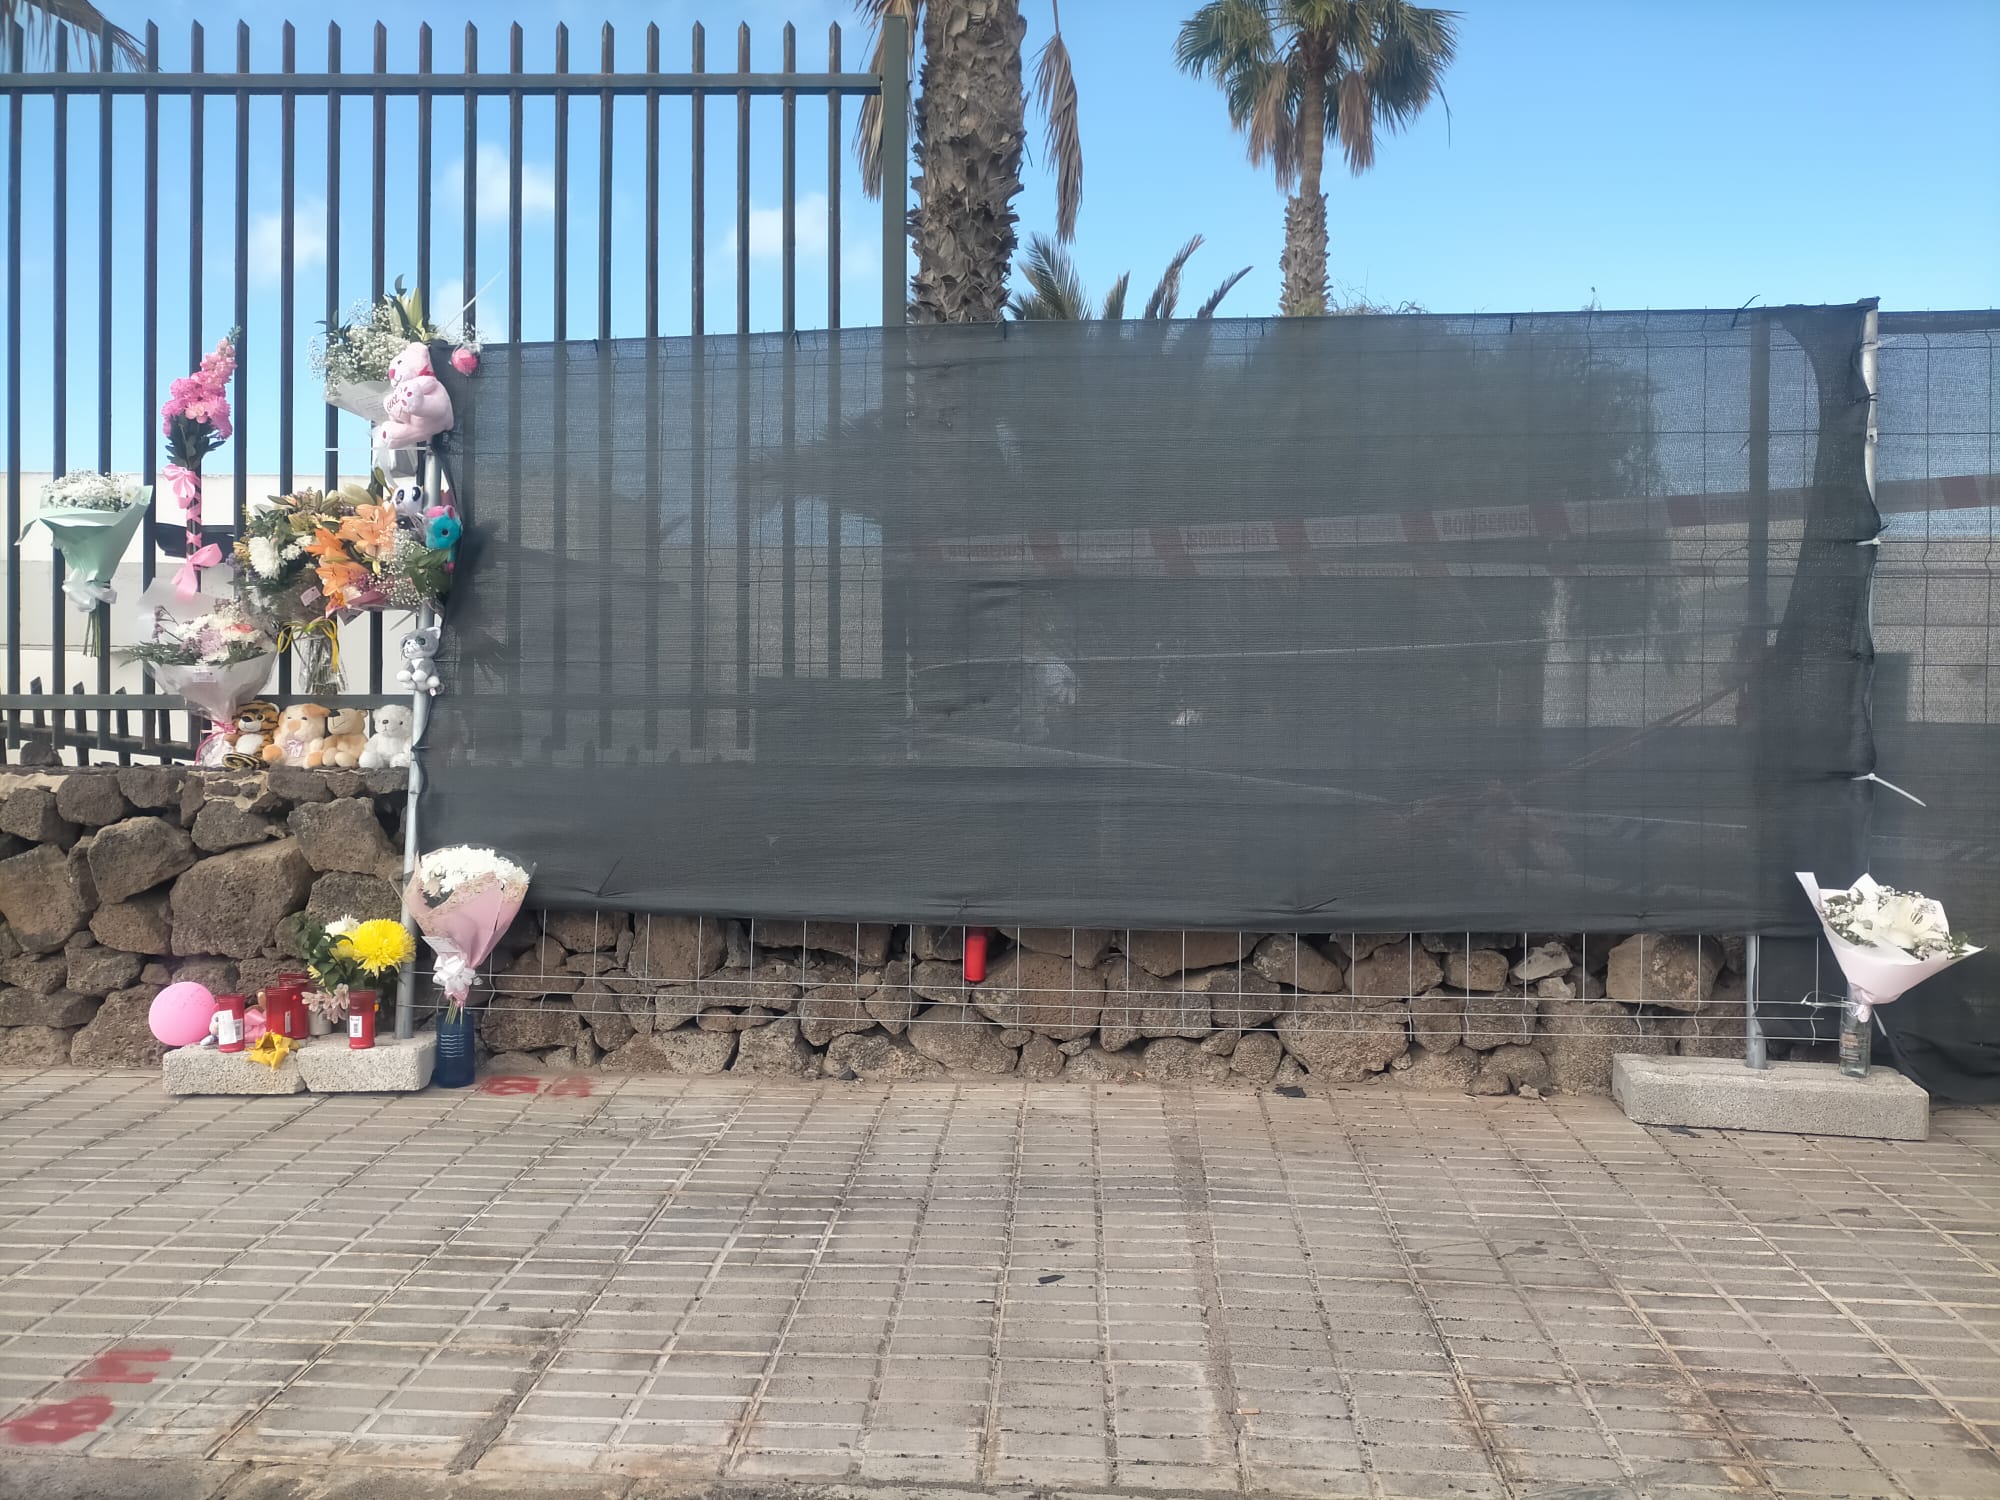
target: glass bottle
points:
(1857, 1026)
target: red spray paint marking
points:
(122, 1367)
(574, 1086)
(510, 1083)
(58, 1421)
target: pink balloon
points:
(181, 1013)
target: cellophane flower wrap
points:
(92, 519)
(1886, 941)
(218, 662)
(462, 899)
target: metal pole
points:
(1870, 351)
(895, 170)
(420, 718)
(1753, 1030)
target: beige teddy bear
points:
(300, 730)
(346, 738)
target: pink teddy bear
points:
(418, 405)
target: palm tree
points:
(1055, 290)
(1300, 73)
(38, 19)
(969, 155)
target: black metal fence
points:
(47, 699)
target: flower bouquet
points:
(462, 899)
(218, 662)
(346, 957)
(1886, 941)
(311, 559)
(92, 519)
(195, 422)
(353, 356)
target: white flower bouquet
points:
(1886, 941)
(92, 519)
(462, 899)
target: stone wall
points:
(1485, 1013)
(115, 881)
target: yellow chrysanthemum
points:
(379, 946)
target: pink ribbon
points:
(216, 731)
(186, 485)
(187, 579)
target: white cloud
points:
(767, 232)
(267, 234)
(538, 186)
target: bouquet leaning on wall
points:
(462, 899)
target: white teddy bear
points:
(389, 744)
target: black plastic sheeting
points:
(1933, 705)
(1552, 621)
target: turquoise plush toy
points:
(441, 529)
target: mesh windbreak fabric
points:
(1415, 622)
(1936, 710)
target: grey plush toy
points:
(419, 669)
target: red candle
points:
(975, 954)
(360, 1019)
(229, 1033)
(285, 1008)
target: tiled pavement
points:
(1382, 1294)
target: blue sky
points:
(1642, 154)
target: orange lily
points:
(327, 546)
(340, 580)
(372, 530)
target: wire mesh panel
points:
(1375, 623)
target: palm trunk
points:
(1303, 264)
(971, 122)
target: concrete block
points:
(203, 1070)
(330, 1066)
(1799, 1098)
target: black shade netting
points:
(1379, 622)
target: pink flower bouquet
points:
(462, 899)
(195, 422)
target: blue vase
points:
(454, 1051)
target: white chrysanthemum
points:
(266, 560)
(444, 871)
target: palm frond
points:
(1055, 92)
(1353, 109)
(1114, 300)
(1272, 125)
(1055, 290)
(38, 20)
(1207, 309)
(1167, 295)
(868, 128)
(1377, 63)
(1223, 36)
(1407, 65)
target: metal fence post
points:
(1753, 1030)
(895, 170)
